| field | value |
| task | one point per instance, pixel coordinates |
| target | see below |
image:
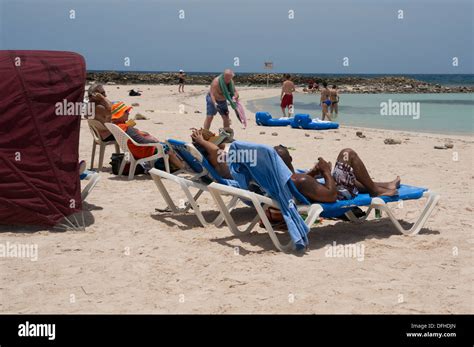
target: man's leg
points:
(175, 160)
(226, 120)
(283, 110)
(325, 110)
(364, 183)
(207, 122)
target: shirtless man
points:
(334, 98)
(102, 109)
(348, 178)
(286, 96)
(213, 153)
(216, 102)
(325, 101)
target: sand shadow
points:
(85, 218)
(141, 177)
(342, 233)
(188, 220)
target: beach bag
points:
(116, 161)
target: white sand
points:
(175, 266)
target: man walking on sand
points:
(286, 96)
(216, 100)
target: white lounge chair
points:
(122, 139)
(315, 210)
(95, 126)
(201, 174)
(93, 178)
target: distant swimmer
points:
(334, 98)
(286, 96)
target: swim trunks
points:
(345, 179)
(287, 100)
(221, 107)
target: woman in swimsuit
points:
(334, 97)
(325, 102)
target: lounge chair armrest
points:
(152, 144)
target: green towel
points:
(228, 90)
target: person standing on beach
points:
(217, 102)
(286, 96)
(325, 101)
(181, 79)
(334, 98)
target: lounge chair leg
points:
(164, 193)
(93, 155)
(230, 206)
(167, 163)
(313, 214)
(101, 156)
(131, 172)
(268, 226)
(122, 166)
(432, 200)
(225, 213)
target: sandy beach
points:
(133, 259)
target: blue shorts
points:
(221, 107)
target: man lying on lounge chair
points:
(348, 178)
(213, 147)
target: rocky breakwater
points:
(346, 84)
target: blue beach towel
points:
(274, 177)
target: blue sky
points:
(214, 32)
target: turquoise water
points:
(439, 113)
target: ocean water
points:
(438, 113)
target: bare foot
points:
(395, 184)
(386, 191)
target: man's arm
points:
(102, 114)
(212, 91)
(315, 191)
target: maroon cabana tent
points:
(39, 170)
